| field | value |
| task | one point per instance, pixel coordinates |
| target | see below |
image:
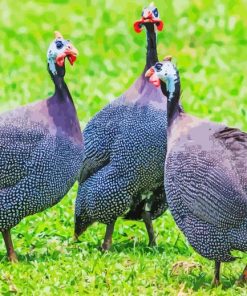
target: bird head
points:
(162, 71)
(82, 219)
(150, 14)
(58, 50)
(166, 72)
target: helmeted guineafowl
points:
(124, 152)
(205, 176)
(41, 149)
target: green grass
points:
(208, 40)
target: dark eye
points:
(158, 67)
(59, 44)
(155, 12)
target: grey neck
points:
(151, 57)
(173, 97)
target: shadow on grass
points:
(28, 258)
(201, 278)
(130, 246)
(124, 247)
(39, 252)
(195, 281)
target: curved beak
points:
(71, 53)
(149, 72)
(153, 78)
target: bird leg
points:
(9, 246)
(146, 216)
(216, 280)
(108, 237)
(243, 277)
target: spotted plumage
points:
(205, 177)
(124, 155)
(40, 150)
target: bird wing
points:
(93, 164)
(206, 165)
(98, 136)
(215, 194)
(235, 141)
(16, 147)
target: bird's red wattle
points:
(160, 25)
(60, 59)
(71, 59)
(138, 24)
(154, 80)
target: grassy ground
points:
(208, 39)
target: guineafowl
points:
(41, 149)
(205, 176)
(124, 152)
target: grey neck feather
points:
(171, 89)
(61, 89)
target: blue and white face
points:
(58, 50)
(164, 71)
(150, 12)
